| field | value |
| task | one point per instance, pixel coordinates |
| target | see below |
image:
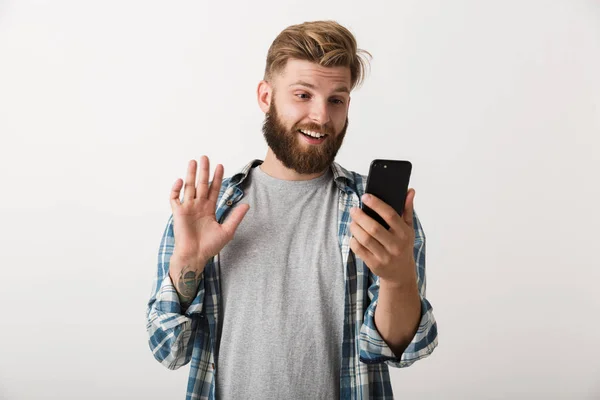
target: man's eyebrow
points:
(341, 89)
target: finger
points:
(409, 207)
(366, 240)
(189, 191)
(175, 190)
(386, 211)
(372, 227)
(215, 186)
(362, 252)
(233, 220)
(202, 190)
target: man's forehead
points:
(341, 86)
(312, 75)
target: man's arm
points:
(169, 323)
(398, 314)
(388, 340)
(186, 277)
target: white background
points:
(497, 104)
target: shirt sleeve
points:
(373, 349)
(171, 329)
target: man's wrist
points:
(179, 262)
(407, 285)
(186, 274)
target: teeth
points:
(313, 134)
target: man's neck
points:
(274, 168)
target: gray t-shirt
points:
(282, 286)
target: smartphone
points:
(388, 180)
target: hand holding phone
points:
(388, 180)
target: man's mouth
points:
(313, 134)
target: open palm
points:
(198, 234)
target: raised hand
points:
(198, 234)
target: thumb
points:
(409, 207)
(233, 220)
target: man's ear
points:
(264, 95)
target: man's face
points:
(307, 97)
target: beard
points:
(302, 158)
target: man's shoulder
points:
(238, 177)
(348, 178)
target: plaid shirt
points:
(178, 336)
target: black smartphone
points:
(388, 180)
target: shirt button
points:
(229, 203)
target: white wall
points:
(497, 104)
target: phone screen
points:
(388, 180)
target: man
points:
(311, 299)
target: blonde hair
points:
(326, 43)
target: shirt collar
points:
(343, 178)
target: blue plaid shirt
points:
(178, 336)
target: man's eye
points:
(338, 101)
(303, 94)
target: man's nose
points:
(319, 112)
